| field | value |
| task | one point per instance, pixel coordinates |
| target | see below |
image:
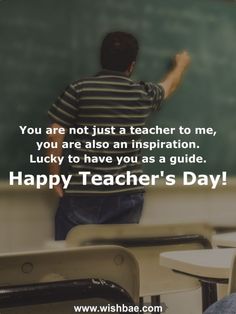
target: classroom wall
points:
(184, 204)
(27, 214)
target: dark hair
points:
(118, 51)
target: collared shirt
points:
(104, 101)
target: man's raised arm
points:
(174, 77)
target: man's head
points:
(119, 52)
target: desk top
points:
(225, 239)
(212, 263)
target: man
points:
(108, 101)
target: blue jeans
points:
(227, 305)
(81, 210)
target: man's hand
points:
(58, 190)
(174, 77)
(182, 59)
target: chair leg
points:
(209, 294)
(141, 304)
(155, 300)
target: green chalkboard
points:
(48, 43)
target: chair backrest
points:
(111, 263)
(232, 278)
(147, 243)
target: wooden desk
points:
(225, 239)
(209, 266)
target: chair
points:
(107, 273)
(146, 243)
(227, 291)
(232, 278)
